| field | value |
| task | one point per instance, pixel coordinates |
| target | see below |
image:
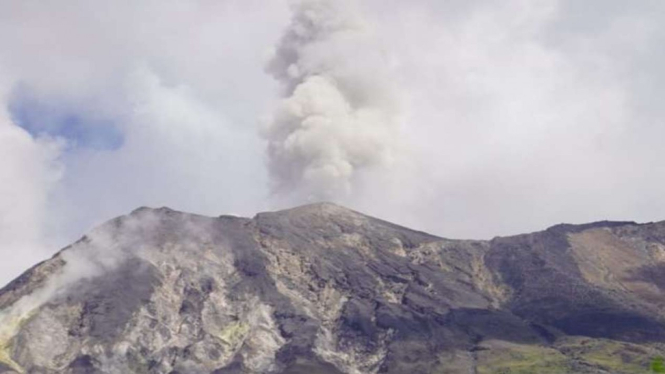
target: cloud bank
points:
(465, 119)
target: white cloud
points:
(28, 172)
(182, 81)
(178, 152)
(518, 122)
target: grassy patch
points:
(569, 355)
(509, 358)
(610, 355)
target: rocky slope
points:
(323, 289)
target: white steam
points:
(102, 251)
(29, 170)
(339, 114)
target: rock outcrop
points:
(323, 289)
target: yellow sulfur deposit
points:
(9, 326)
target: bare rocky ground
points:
(323, 289)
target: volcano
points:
(324, 289)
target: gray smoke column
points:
(338, 116)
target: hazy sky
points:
(467, 119)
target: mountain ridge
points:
(324, 289)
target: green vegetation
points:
(507, 358)
(610, 355)
(571, 355)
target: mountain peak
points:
(142, 209)
(318, 209)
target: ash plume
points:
(338, 114)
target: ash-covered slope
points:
(323, 289)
